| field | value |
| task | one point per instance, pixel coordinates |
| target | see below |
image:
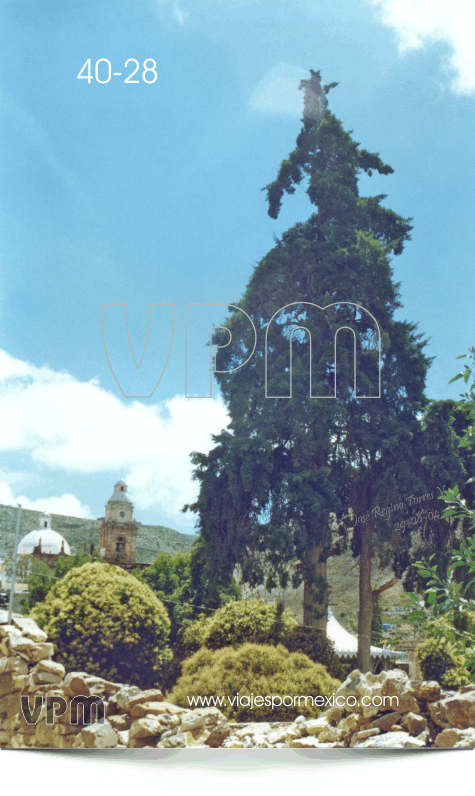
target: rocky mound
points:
(368, 711)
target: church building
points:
(44, 543)
(118, 544)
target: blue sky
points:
(143, 193)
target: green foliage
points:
(41, 577)
(249, 620)
(468, 398)
(443, 462)
(450, 585)
(253, 621)
(39, 581)
(176, 581)
(448, 619)
(65, 563)
(456, 503)
(194, 636)
(377, 623)
(258, 622)
(254, 669)
(313, 643)
(104, 621)
(274, 475)
(235, 623)
(441, 658)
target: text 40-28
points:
(103, 71)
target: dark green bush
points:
(313, 643)
(257, 670)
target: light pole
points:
(15, 558)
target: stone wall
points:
(425, 716)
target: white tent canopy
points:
(346, 645)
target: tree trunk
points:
(365, 615)
(315, 592)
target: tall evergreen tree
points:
(268, 487)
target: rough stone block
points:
(362, 735)
(151, 695)
(13, 664)
(219, 732)
(99, 736)
(386, 721)
(29, 628)
(38, 652)
(51, 667)
(145, 728)
(414, 723)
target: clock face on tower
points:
(121, 513)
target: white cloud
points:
(278, 91)
(421, 22)
(181, 16)
(66, 504)
(79, 427)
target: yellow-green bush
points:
(441, 657)
(238, 622)
(104, 621)
(193, 638)
(438, 660)
(256, 669)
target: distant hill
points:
(151, 539)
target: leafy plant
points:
(257, 670)
(443, 658)
(177, 582)
(239, 622)
(41, 578)
(104, 621)
(447, 604)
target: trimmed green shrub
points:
(253, 621)
(41, 578)
(313, 643)
(257, 670)
(104, 621)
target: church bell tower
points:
(118, 543)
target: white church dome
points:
(51, 541)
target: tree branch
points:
(387, 585)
